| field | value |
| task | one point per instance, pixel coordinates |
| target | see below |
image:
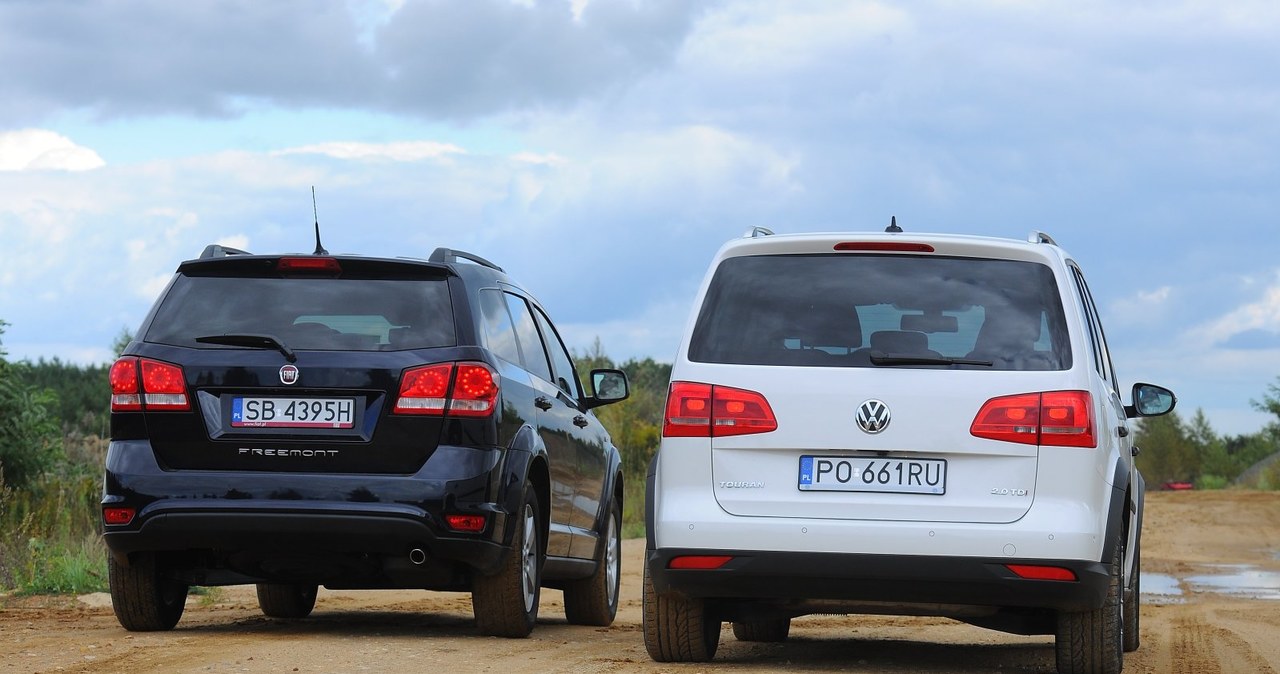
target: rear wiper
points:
(882, 358)
(255, 341)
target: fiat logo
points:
(289, 374)
(873, 416)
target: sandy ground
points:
(1191, 541)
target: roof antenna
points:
(893, 227)
(319, 248)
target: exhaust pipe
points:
(418, 556)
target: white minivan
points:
(899, 423)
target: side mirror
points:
(610, 386)
(1150, 400)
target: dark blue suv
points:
(302, 420)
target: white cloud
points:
(399, 151)
(42, 150)
(652, 331)
(763, 37)
(1262, 313)
(548, 159)
(1145, 307)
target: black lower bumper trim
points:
(227, 532)
(844, 580)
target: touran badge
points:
(873, 416)
(289, 375)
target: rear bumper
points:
(942, 585)
(271, 529)
(341, 530)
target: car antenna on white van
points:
(316, 211)
(893, 227)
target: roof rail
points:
(215, 250)
(757, 232)
(1036, 236)
(449, 256)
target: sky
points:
(603, 150)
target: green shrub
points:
(1212, 482)
(64, 567)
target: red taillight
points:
(702, 411)
(1066, 419)
(739, 412)
(1035, 572)
(113, 515)
(1056, 418)
(699, 562)
(161, 386)
(312, 265)
(883, 246)
(688, 411)
(425, 390)
(467, 523)
(475, 390)
(125, 396)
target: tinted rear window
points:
(839, 310)
(308, 313)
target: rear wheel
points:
(594, 600)
(765, 629)
(279, 600)
(142, 599)
(506, 603)
(1089, 642)
(678, 628)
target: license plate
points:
(874, 473)
(293, 412)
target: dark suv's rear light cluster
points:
(142, 383)
(696, 410)
(1057, 418)
(465, 389)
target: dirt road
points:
(1193, 543)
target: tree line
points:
(1191, 452)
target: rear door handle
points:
(542, 403)
(580, 421)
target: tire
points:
(280, 600)
(506, 603)
(1090, 642)
(594, 600)
(1133, 605)
(763, 630)
(142, 600)
(678, 628)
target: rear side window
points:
(308, 313)
(839, 310)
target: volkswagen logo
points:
(289, 374)
(873, 416)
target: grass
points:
(49, 536)
(63, 567)
(633, 508)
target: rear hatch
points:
(295, 366)
(874, 368)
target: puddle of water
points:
(1237, 579)
(1160, 588)
(1161, 584)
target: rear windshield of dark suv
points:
(874, 310)
(359, 314)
